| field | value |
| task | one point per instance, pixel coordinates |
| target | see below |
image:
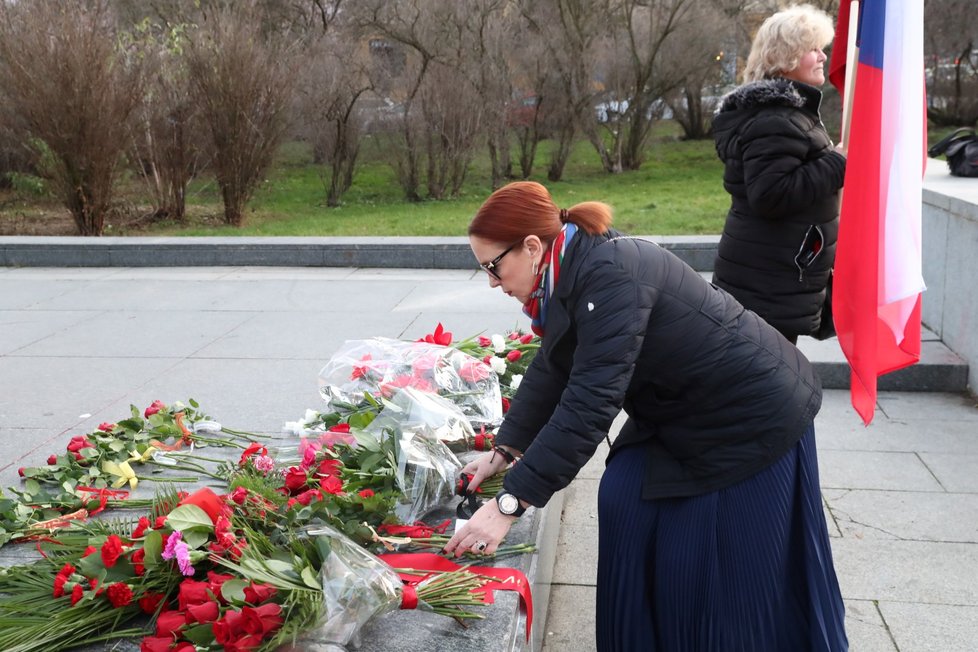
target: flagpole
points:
(852, 61)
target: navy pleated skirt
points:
(743, 569)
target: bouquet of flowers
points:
(381, 367)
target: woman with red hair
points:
(711, 530)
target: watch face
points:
(508, 504)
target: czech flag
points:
(878, 278)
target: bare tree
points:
(243, 77)
(332, 84)
(74, 88)
(453, 118)
(167, 132)
(951, 51)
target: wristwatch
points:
(509, 504)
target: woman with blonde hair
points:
(784, 177)
(711, 531)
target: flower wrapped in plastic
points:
(381, 367)
(427, 469)
(358, 586)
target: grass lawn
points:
(677, 191)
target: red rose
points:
(255, 594)
(228, 628)
(52, 460)
(78, 443)
(154, 407)
(141, 527)
(150, 602)
(505, 405)
(119, 594)
(111, 550)
(244, 644)
(366, 493)
(329, 466)
(340, 427)
(203, 613)
(308, 496)
(295, 480)
(216, 580)
(514, 355)
(156, 644)
(77, 592)
(184, 646)
(169, 623)
(192, 592)
(331, 485)
(261, 621)
(20, 472)
(138, 561)
(484, 341)
(106, 427)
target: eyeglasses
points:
(491, 265)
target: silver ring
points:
(481, 546)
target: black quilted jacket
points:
(778, 245)
(712, 391)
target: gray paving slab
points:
(955, 471)
(917, 406)
(581, 503)
(866, 629)
(930, 627)
(905, 515)
(907, 571)
(875, 470)
(21, 328)
(571, 629)
(577, 555)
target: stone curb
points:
(380, 252)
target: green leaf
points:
(117, 445)
(32, 486)
(200, 635)
(153, 545)
(188, 517)
(233, 591)
(195, 537)
(310, 578)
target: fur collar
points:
(771, 92)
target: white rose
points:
(296, 428)
(515, 381)
(311, 416)
(498, 365)
(498, 343)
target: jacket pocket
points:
(810, 249)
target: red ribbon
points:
(419, 530)
(409, 597)
(103, 496)
(504, 579)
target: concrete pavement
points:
(78, 345)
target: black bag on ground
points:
(961, 149)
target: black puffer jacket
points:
(778, 245)
(714, 393)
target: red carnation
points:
(138, 561)
(340, 427)
(77, 592)
(141, 527)
(366, 493)
(253, 449)
(505, 405)
(154, 407)
(119, 594)
(89, 551)
(111, 550)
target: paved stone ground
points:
(77, 346)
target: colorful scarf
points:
(536, 307)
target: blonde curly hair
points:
(784, 38)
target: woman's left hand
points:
(487, 526)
